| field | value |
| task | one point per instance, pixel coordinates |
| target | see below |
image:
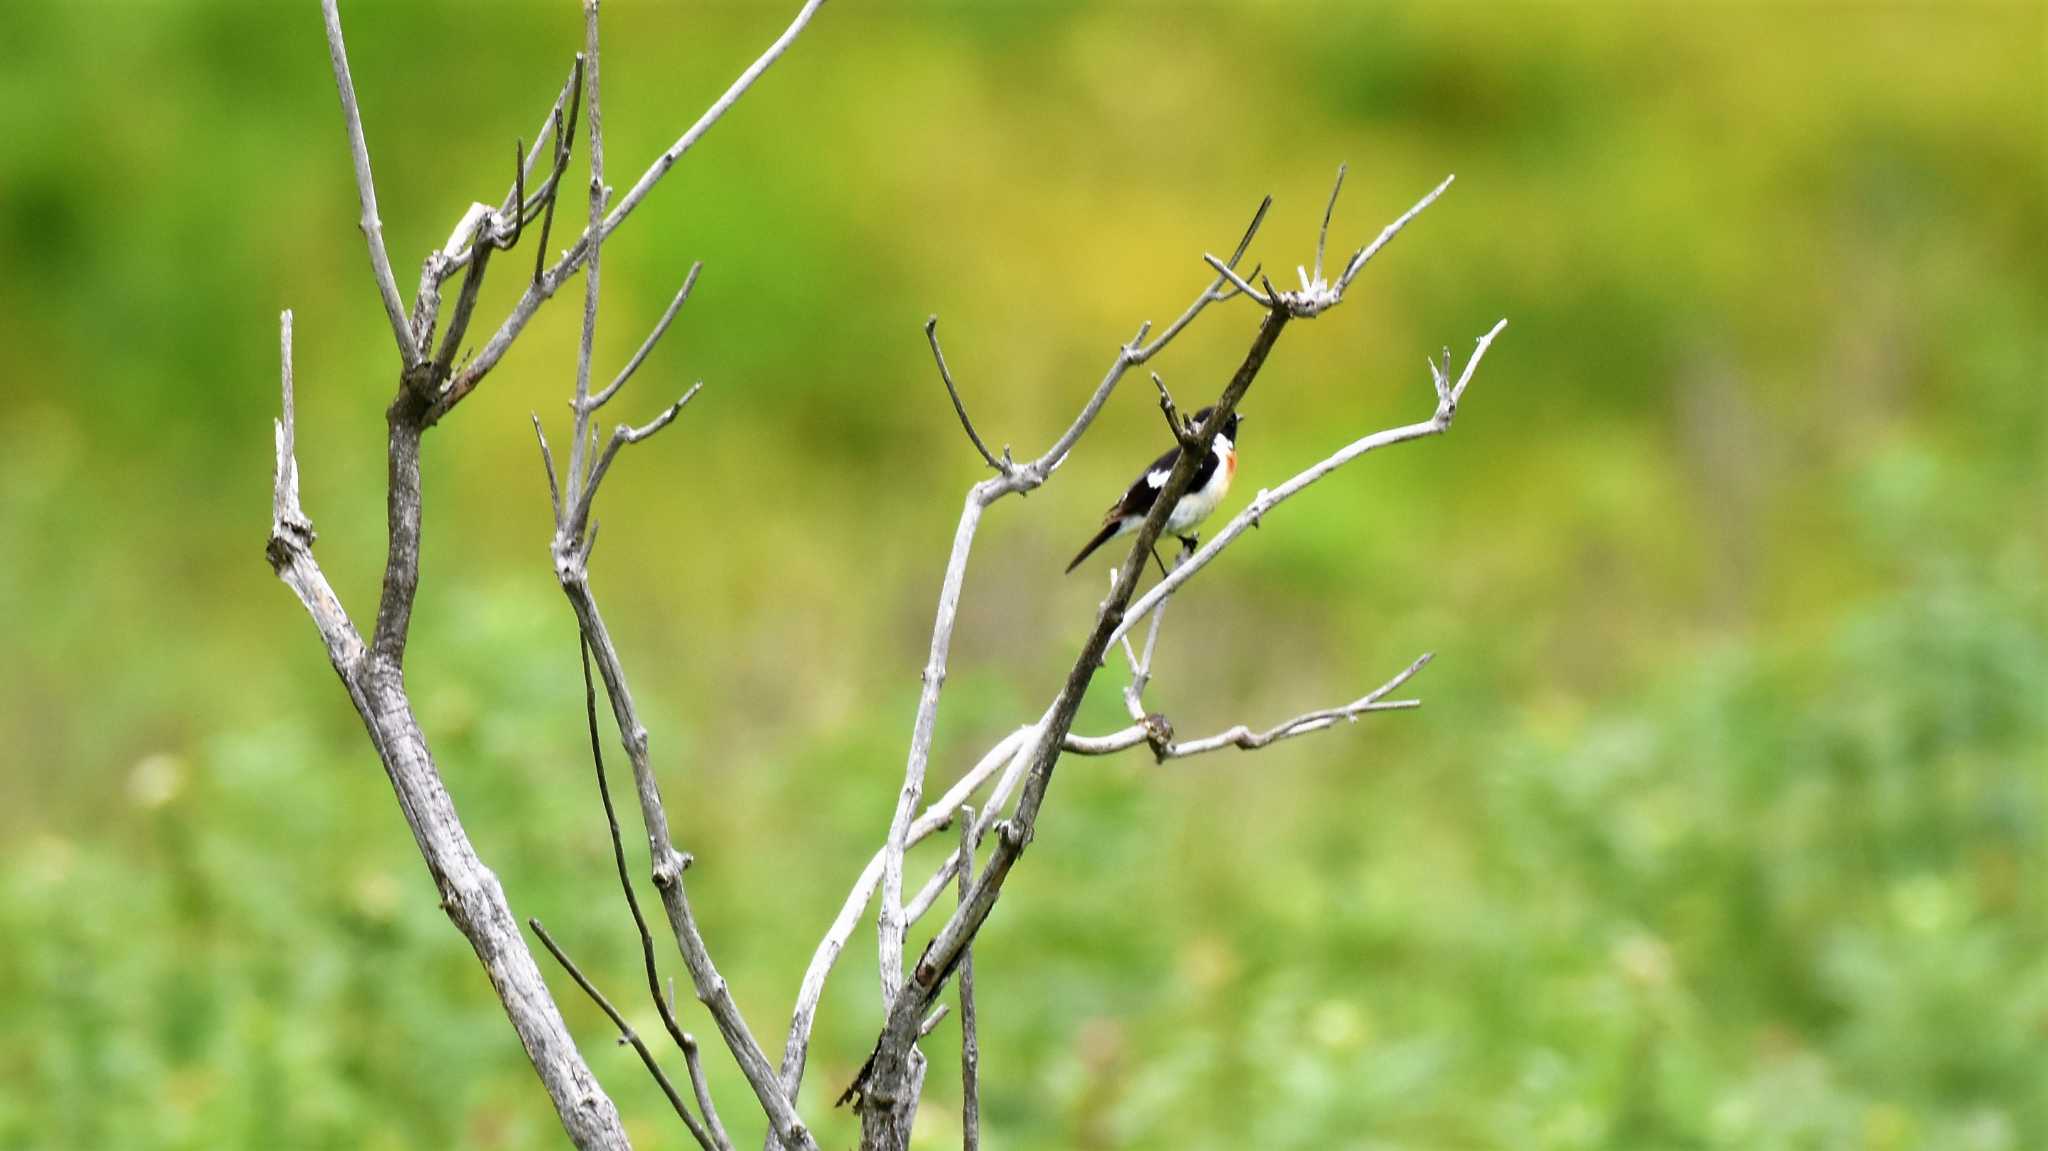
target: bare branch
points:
(670, 863)
(545, 283)
(998, 801)
(1141, 665)
(465, 307)
(291, 536)
(518, 195)
(1215, 293)
(516, 199)
(470, 893)
(1156, 732)
(547, 463)
(970, 1042)
(286, 516)
(1224, 270)
(931, 335)
(933, 819)
(1358, 260)
(702, 1087)
(571, 548)
(1472, 364)
(646, 346)
(565, 136)
(1323, 237)
(1268, 500)
(621, 436)
(1019, 478)
(598, 194)
(715, 1137)
(886, 1110)
(626, 1033)
(891, 926)
(689, 138)
(366, 189)
(1244, 737)
(1183, 431)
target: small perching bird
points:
(1204, 494)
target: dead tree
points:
(1010, 782)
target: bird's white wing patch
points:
(1156, 479)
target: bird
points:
(1210, 485)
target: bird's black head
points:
(1229, 427)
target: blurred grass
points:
(1722, 826)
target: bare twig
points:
(1359, 259)
(465, 307)
(1183, 430)
(547, 463)
(1323, 237)
(621, 436)
(1215, 293)
(931, 335)
(565, 136)
(518, 196)
(366, 188)
(702, 1087)
(695, 132)
(646, 346)
(594, 139)
(515, 200)
(1244, 737)
(1228, 273)
(286, 516)
(546, 282)
(626, 1033)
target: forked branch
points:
(430, 384)
(885, 1088)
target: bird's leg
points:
(1157, 560)
(1191, 543)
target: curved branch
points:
(626, 1033)
(931, 335)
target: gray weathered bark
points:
(373, 672)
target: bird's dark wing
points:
(1144, 491)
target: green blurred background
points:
(1721, 827)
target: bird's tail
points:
(1107, 533)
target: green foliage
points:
(1723, 825)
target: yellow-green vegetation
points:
(1722, 825)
